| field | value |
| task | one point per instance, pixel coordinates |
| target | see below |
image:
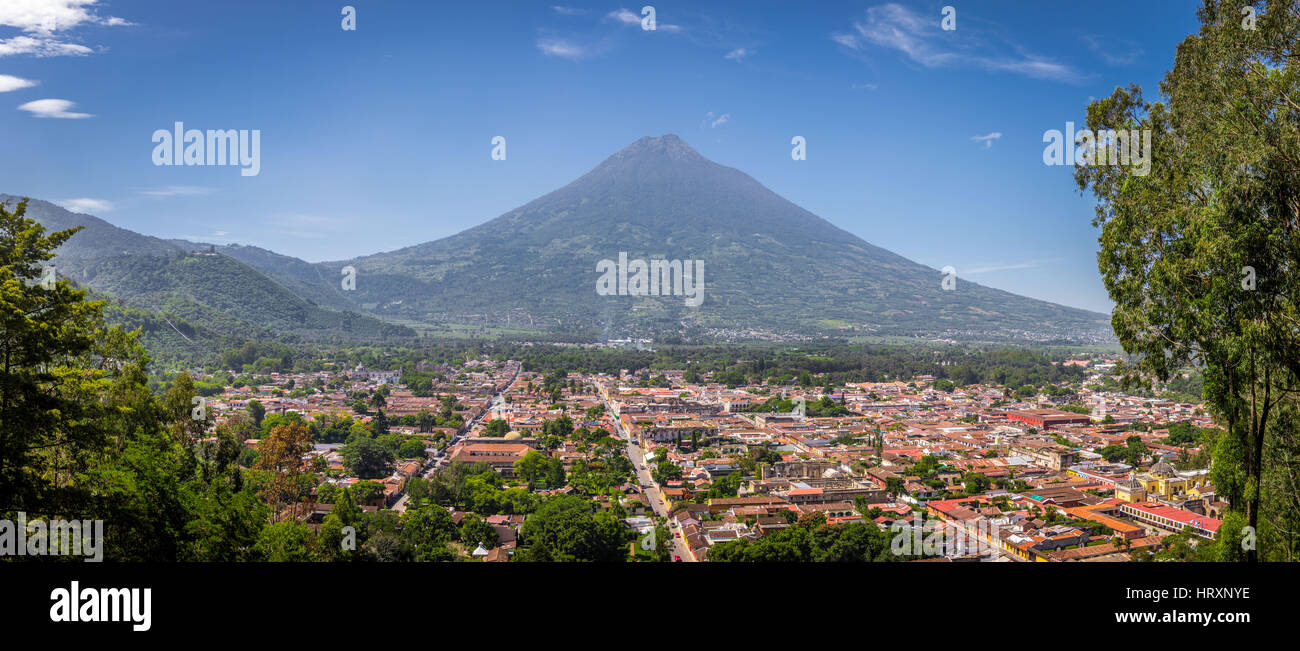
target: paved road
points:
(648, 485)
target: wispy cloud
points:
(863, 86)
(987, 140)
(42, 20)
(309, 227)
(847, 40)
(629, 17)
(714, 121)
(53, 108)
(568, 11)
(176, 191)
(737, 54)
(624, 16)
(86, 205)
(10, 82)
(40, 47)
(1006, 266)
(921, 40)
(1115, 51)
(557, 47)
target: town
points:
(676, 465)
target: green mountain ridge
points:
(207, 292)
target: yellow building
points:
(1163, 480)
(1130, 490)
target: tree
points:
(225, 526)
(564, 528)
(47, 409)
(474, 531)
(367, 458)
(411, 449)
(975, 483)
(428, 529)
(288, 541)
(388, 547)
(365, 492)
(417, 489)
(1198, 247)
(1113, 453)
(189, 418)
(561, 427)
(536, 468)
(666, 471)
(330, 540)
(425, 421)
(257, 410)
(1136, 451)
(496, 428)
(281, 453)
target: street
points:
(648, 485)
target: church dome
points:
(1163, 469)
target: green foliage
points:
(811, 539)
(367, 458)
(565, 528)
(474, 531)
(366, 492)
(1197, 254)
(284, 542)
(496, 428)
(540, 470)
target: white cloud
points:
(86, 205)
(10, 82)
(560, 48)
(920, 39)
(49, 16)
(568, 11)
(847, 40)
(987, 140)
(176, 191)
(40, 20)
(625, 16)
(719, 121)
(737, 54)
(863, 86)
(629, 17)
(1007, 266)
(53, 108)
(40, 47)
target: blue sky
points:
(923, 141)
